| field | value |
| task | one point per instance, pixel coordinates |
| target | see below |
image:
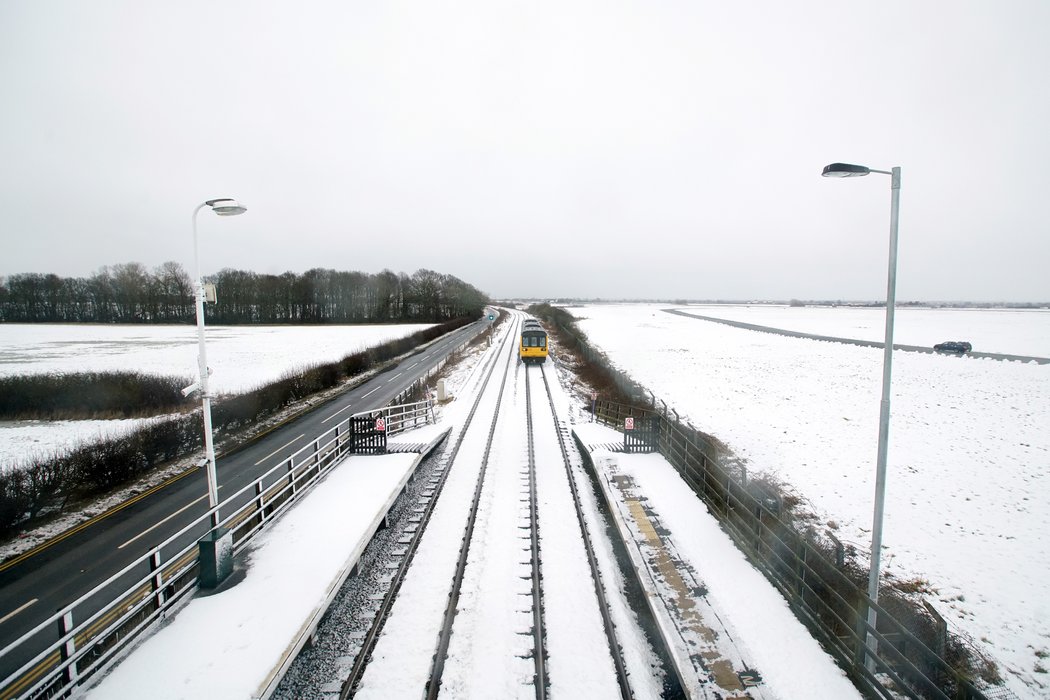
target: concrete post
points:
(216, 557)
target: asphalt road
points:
(33, 587)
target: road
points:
(34, 585)
(855, 341)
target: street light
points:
(222, 207)
(848, 170)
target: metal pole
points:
(884, 422)
(202, 365)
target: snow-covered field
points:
(968, 489)
(1006, 331)
(240, 357)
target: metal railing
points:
(95, 628)
(827, 592)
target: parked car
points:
(956, 346)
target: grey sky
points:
(581, 147)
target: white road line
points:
(344, 408)
(11, 614)
(161, 522)
(277, 450)
(395, 377)
(370, 393)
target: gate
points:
(367, 434)
(641, 434)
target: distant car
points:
(956, 346)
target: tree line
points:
(131, 293)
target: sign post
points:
(594, 399)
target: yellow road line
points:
(29, 678)
(87, 523)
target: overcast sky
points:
(613, 148)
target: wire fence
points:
(823, 579)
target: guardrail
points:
(827, 592)
(96, 628)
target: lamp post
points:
(222, 207)
(848, 170)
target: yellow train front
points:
(532, 347)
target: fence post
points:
(801, 556)
(259, 501)
(157, 580)
(940, 644)
(840, 551)
(291, 475)
(69, 647)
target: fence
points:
(827, 593)
(97, 627)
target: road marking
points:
(413, 365)
(98, 518)
(370, 393)
(11, 614)
(395, 377)
(161, 522)
(348, 406)
(277, 450)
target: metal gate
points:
(641, 434)
(367, 434)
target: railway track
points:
(424, 509)
(500, 519)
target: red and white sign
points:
(628, 423)
(380, 424)
(594, 396)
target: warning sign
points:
(628, 423)
(380, 424)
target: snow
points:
(790, 661)
(1006, 331)
(224, 645)
(26, 441)
(968, 486)
(240, 357)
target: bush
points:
(89, 395)
(98, 468)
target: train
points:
(532, 346)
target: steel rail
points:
(438, 667)
(599, 591)
(371, 638)
(538, 630)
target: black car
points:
(956, 346)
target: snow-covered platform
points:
(730, 633)
(238, 642)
